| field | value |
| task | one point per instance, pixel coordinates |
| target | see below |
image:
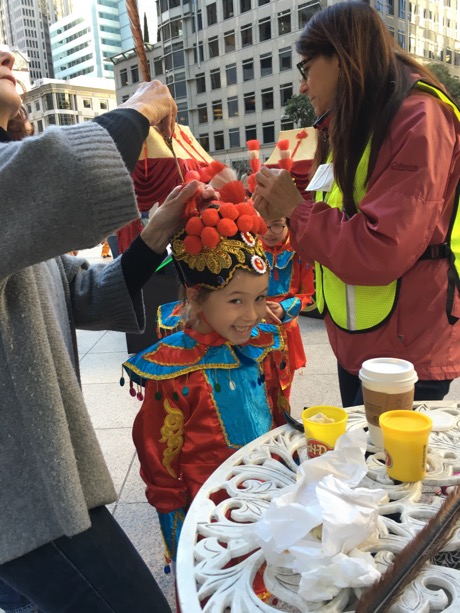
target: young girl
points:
(289, 289)
(213, 386)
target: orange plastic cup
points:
(405, 440)
(323, 437)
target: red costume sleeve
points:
(158, 435)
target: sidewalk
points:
(112, 411)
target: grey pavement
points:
(113, 410)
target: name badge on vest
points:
(322, 180)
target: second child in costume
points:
(213, 386)
(289, 289)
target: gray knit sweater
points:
(65, 189)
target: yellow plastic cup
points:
(405, 440)
(322, 437)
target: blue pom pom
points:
(167, 569)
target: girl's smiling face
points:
(234, 310)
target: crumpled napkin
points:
(326, 495)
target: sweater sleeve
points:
(64, 189)
(129, 129)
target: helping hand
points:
(276, 194)
(167, 219)
(275, 313)
(154, 101)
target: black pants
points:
(96, 571)
(352, 394)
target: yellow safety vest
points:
(360, 308)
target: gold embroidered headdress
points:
(217, 242)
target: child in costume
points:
(289, 289)
(213, 386)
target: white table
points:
(215, 569)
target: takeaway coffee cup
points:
(388, 385)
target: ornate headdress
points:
(218, 241)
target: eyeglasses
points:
(276, 228)
(302, 70)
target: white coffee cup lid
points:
(388, 370)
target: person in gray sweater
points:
(67, 189)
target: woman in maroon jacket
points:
(382, 203)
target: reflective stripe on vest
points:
(360, 308)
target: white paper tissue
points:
(317, 525)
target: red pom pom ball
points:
(210, 237)
(227, 227)
(192, 245)
(210, 217)
(245, 223)
(229, 211)
(194, 226)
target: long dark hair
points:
(375, 76)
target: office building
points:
(230, 64)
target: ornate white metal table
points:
(216, 566)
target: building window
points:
(200, 83)
(286, 92)
(246, 35)
(268, 132)
(182, 113)
(284, 23)
(390, 7)
(48, 102)
(217, 110)
(29, 109)
(265, 29)
(158, 66)
(287, 124)
(103, 105)
(66, 120)
(402, 39)
(251, 133)
(200, 22)
(402, 9)
(51, 119)
(233, 106)
(201, 51)
(227, 6)
(37, 105)
(124, 77)
(40, 125)
(262, 2)
(202, 113)
(245, 5)
(211, 11)
(285, 59)
(215, 78)
(231, 74)
(134, 74)
(65, 101)
(306, 12)
(124, 98)
(203, 139)
(229, 41)
(248, 70)
(87, 103)
(249, 103)
(267, 99)
(213, 45)
(234, 136)
(219, 141)
(266, 64)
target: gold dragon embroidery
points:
(172, 434)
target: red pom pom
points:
(245, 209)
(262, 226)
(227, 227)
(194, 226)
(252, 183)
(192, 245)
(245, 223)
(283, 145)
(192, 175)
(210, 237)
(253, 145)
(210, 217)
(229, 210)
(205, 174)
